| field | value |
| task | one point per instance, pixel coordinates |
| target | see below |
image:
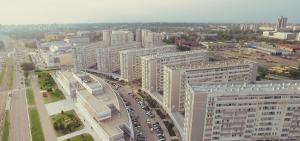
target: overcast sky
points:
(83, 11)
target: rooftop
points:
(173, 54)
(210, 65)
(147, 49)
(270, 87)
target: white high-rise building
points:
(176, 77)
(152, 66)
(108, 58)
(85, 55)
(151, 39)
(242, 111)
(117, 37)
(130, 60)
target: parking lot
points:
(147, 126)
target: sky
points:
(105, 11)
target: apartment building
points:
(152, 66)
(85, 55)
(130, 60)
(176, 76)
(151, 39)
(242, 111)
(117, 37)
(108, 58)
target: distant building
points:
(267, 110)
(85, 55)
(279, 35)
(117, 37)
(130, 60)
(77, 40)
(249, 27)
(219, 45)
(281, 23)
(290, 48)
(298, 37)
(108, 58)
(151, 39)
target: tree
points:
(28, 66)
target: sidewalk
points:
(48, 130)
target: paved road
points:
(48, 130)
(19, 120)
(138, 111)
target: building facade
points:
(108, 58)
(117, 37)
(84, 56)
(152, 66)
(130, 60)
(176, 76)
(243, 111)
(151, 39)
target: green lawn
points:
(3, 71)
(66, 122)
(5, 133)
(82, 137)
(170, 126)
(35, 124)
(30, 96)
(54, 96)
(11, 78)
(46, 82)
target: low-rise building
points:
(77, 40)
(289, 48)
(219, 45)
(130, 60)
(100, 105)
(176, 77)
(242, 111)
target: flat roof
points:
(146, 49)
(210, 65)
(261, 87)
(172, 54)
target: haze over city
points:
(105, 11)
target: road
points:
(19, 120)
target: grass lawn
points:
(54, 96)
(48, 84)
(11, 78)
(5, 133)
(66, 122)
(3, 71)
(30, 96)
(35, 124)
(82, 137)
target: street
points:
(19, 120)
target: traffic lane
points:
(139, 112)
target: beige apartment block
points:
(239, 111)
(108, 58)
(176, 76)
(85, 55)
(130, 60)
(152, 66)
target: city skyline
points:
(105, 11)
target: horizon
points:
(145, 11)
